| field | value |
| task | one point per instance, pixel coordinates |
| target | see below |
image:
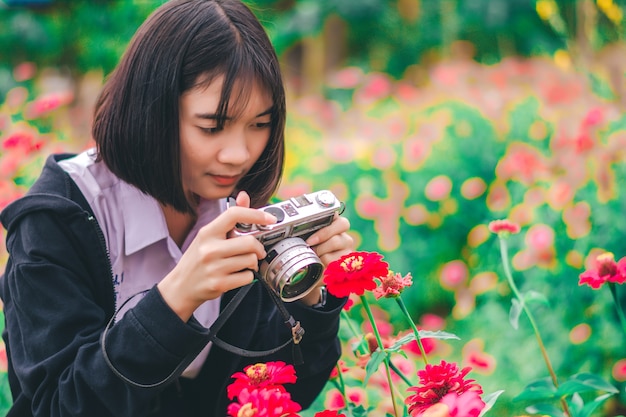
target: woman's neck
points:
(178, 224)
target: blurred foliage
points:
(422, 167)
(381, 35)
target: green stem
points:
(341, 386)
(381, 347)
(518, 295)
(413, 327)
(618, 305)
(365, 350)
(362, 344)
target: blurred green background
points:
(429, 118)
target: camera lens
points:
(291, 268)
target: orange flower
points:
(354, 273)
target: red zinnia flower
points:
(435, 382)
(392, 285)
(270, 375)
(264, 403)
(354, 273)
(329, 413)
(606, 270)
(503, 226)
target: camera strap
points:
(297, 331)
(296, 335)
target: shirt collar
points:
(144, 221)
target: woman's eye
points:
(209, 130)
(262, 125)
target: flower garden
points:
(521, 316)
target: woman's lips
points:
(225, 180)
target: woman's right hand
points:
(214, 263)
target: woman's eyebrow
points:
(214, 116)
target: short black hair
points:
(185, 44)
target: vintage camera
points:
(291, 268)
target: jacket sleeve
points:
(54, 322)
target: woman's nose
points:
(234, 150)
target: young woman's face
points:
(213, 161)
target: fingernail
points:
(269, 218)
(313, 241)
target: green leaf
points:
(372, 365)
(514, 313)
(576, 404)
(535, 297)
(546, 410)
(427, 334)
(589, 408)
(424, 334)
(585, 382)
(541, 389)
(489, 400)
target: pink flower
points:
(504, 227)
(468, 404)
(436, 381)
(354, 273)
(264, 403)
(392, 285)
(606, 270)
(270, 375)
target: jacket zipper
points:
(103, 243)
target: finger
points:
(338, 226)
(239, 279)
(342, 243)
(227, 221)
(230, 248)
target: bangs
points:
(239, 78)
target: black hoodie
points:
(58, 298)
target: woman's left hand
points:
(333, 241)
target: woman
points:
(130, 240)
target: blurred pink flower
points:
(605, 270)
(468, 404)
(454, 273)
(619, 370)
(24, 71)
(503, 226)
(438, 188)
(594, 117)
(47, 103)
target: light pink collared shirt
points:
(140, 247)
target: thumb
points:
(243, 199)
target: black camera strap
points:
(297, 331)
(296, 335)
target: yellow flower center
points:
(257, 373)
(606, 264)
(352, 263)
(247, 411)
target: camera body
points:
(297, 217)
(291, 268)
